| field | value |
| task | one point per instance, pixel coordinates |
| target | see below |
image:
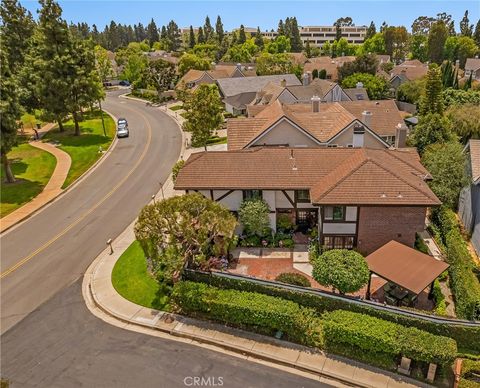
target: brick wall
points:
(379, 225)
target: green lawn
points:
(83, 149)
(131, 280)
(32, 168)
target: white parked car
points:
(122, 128)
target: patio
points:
(268, 263)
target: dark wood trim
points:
(186, 191)
(225, 195)
(336, 221)
(289, 199)
(333, 235)
(211, 194)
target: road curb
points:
(82, 177)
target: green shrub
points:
(469, 369)
(466, 336)
(176, 169)
(176, 107)
(253, 214)
(439, 299)
(248, 309)
(251, 241)
(380, 336)
(420, 244)
(284, 223)
(293, 278)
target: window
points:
(339, 242)
(252, 194)
(302, 196)
(334, 213)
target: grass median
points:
(32, 168)
(132, 281)
(83, 149)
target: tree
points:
(431, 128)
(259, 39)
(396, 42)
(207, 29)
(173, 36)
(461, 48)
(134, 68)
(16, 29)
(448, 21)
(219, 30)
(104, 65)
(446, 164)
(295, 39)
(373, 45)
(411, 91)
(421, 25)
(432, 100)
(187, 229)
(200, 37)
(268, 64)
(253, 215)
(241, 52)
(281, 28)
(466, 29)
(322, 74)
(280, 45)
(377, 87)
(308, 51)
(341, 22)
(364, 63)
(10, 109)
(242, 38)
(465, 121)
(48, 62)
(203, 114)
(152, 32)
(476, 34)
(436, 41)
(191, 38)
(371, 30)
(343, 270)
(160, 74)
(192, 61)
(315, 73)
(419, 47)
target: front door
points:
(306, 219)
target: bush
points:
(420, 244)
(469, 369)
(379, 336)
(293, 278)
(176, 169)
(253, 215)
(342, 269)
(251, 241)
(466, 336)
(252, 310)
(439, 299)
(284, 223)
(463, 281)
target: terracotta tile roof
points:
(237, 85)
(474, 145)
(253, 110)
(269, 93)
(385, 114)
(405, 266)
(334, 176)
(191, 76)
(298, 58)
(412, 70)
(472, 64)
(240, 130)
(318, 87)
(357, 94)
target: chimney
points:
(315, 104)
(401, 136)
(283, 83)
(358, 135)
(305, 79)
(310, 77)
(367, 117)
(359, 85)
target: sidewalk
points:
(104, 301)
(50, 191)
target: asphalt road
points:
(53, 248)
(62, 344)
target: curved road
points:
(49, 338)
(53, 248)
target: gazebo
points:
(407, 271)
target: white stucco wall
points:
(281, 201)
(231, 201)
(286, 133)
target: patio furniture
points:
(392, 301)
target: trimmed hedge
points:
(466, 336)
(464, 283)
(253, 310)
(387, 338)
(293, 278)
(439, 299)
(469, 368)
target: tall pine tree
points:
(295, 39)
(371, 30)
(476, 34)
(219, 29)
(152, 33)
(432, 101)
(200, 37)
(242, 38)
(259, 39)
(466, 29)
(207, 29)
(191, 38)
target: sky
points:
(265, 14)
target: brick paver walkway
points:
(51, 190)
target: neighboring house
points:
(328, 91)
(372, 124)
(357, 198)
(469, 202)
(472, 67)
(238, 92)
(330, 65)
(407, 71)
(193, 78)
(161, 54)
